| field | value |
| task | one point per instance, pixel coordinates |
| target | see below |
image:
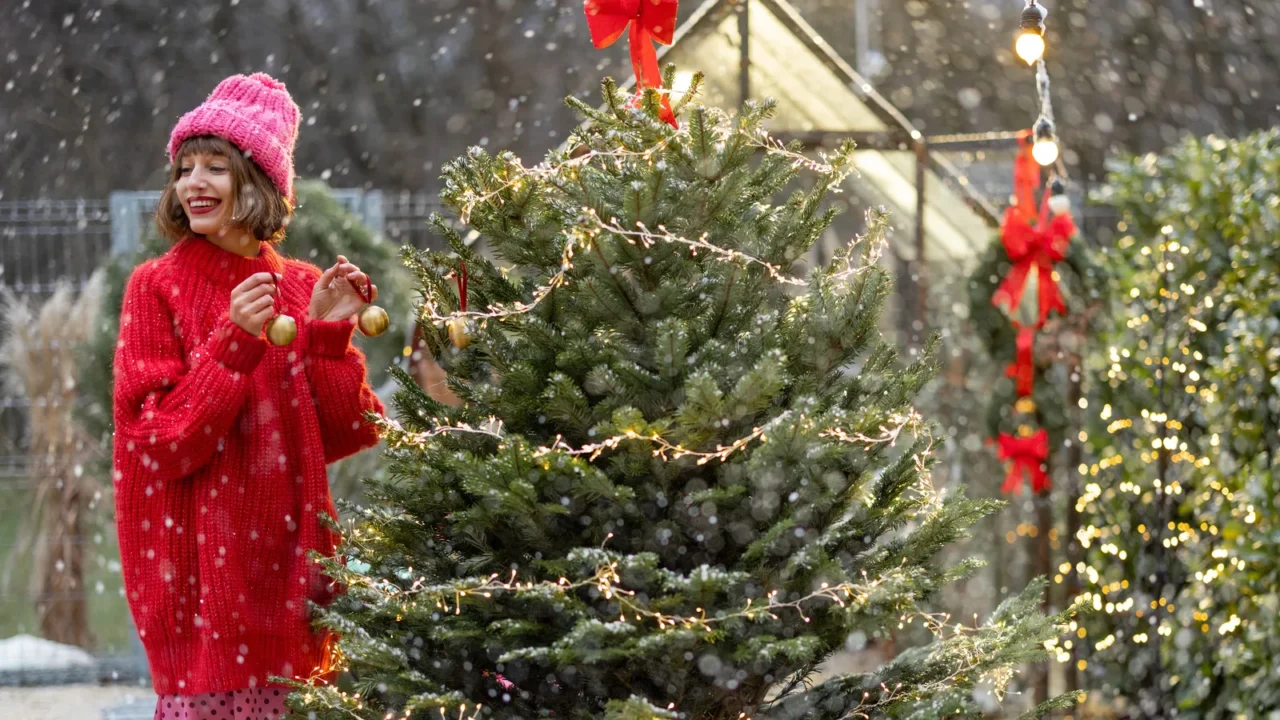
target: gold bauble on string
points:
(373, 321)
(460, 330)
(282, 330)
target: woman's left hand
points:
(335, 297)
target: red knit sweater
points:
(220, 451)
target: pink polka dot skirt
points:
(247, 704)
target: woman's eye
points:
(185, 171)
(217, 168)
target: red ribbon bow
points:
(1034, 247)
(1023, 369)
(1028, 455)
(650, 21)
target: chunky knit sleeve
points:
(342, 393)
(172, 411)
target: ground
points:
(67, 702)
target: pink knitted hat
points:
(254, 113)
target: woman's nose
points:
(197, 176)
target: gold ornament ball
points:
(460, 330)
(282, 330)
(373, 321)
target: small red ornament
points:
(1027, 455)
(650, 21)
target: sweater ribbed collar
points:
(224, 267)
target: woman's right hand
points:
(253, 302)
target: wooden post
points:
(744, 58)
(1043, 566)
(1074, 454)
(921, 281)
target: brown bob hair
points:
(259, 206)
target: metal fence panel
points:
(43, 243)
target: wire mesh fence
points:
(45, 244)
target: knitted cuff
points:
(235, 348)
(331, 338)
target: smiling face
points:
(207, 192)
(214, 189)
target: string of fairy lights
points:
(1031, 47)
(835, 167)
(888, 433)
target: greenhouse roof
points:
(821, 99)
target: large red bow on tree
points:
(650, 21)
(1034, 247)
(1023, 369)
(1028, 455)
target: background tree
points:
(1216, 198)
(87, 85)
(1180, 485)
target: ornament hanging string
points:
(462, 286)
(281, 329)
(365, 293)
(649, 21)
(461, 327)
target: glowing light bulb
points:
(1030, 46)
(1059, 203)
(1045, 151)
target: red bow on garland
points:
(650, 21)
(1023, 369)
(1028, 455)
(1034, 247)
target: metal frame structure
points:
(901, 135)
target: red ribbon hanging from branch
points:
(1028, 455)
(366, 292)
(651, 21)
(1034, 248)
(1023, 369)
(462, 286)
(1026, 176)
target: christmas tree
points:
(1180, 502)
(685, 474)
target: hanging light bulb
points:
(1030, 46)
(1059, 203)
(1045, 149)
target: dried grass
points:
(40, 354)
